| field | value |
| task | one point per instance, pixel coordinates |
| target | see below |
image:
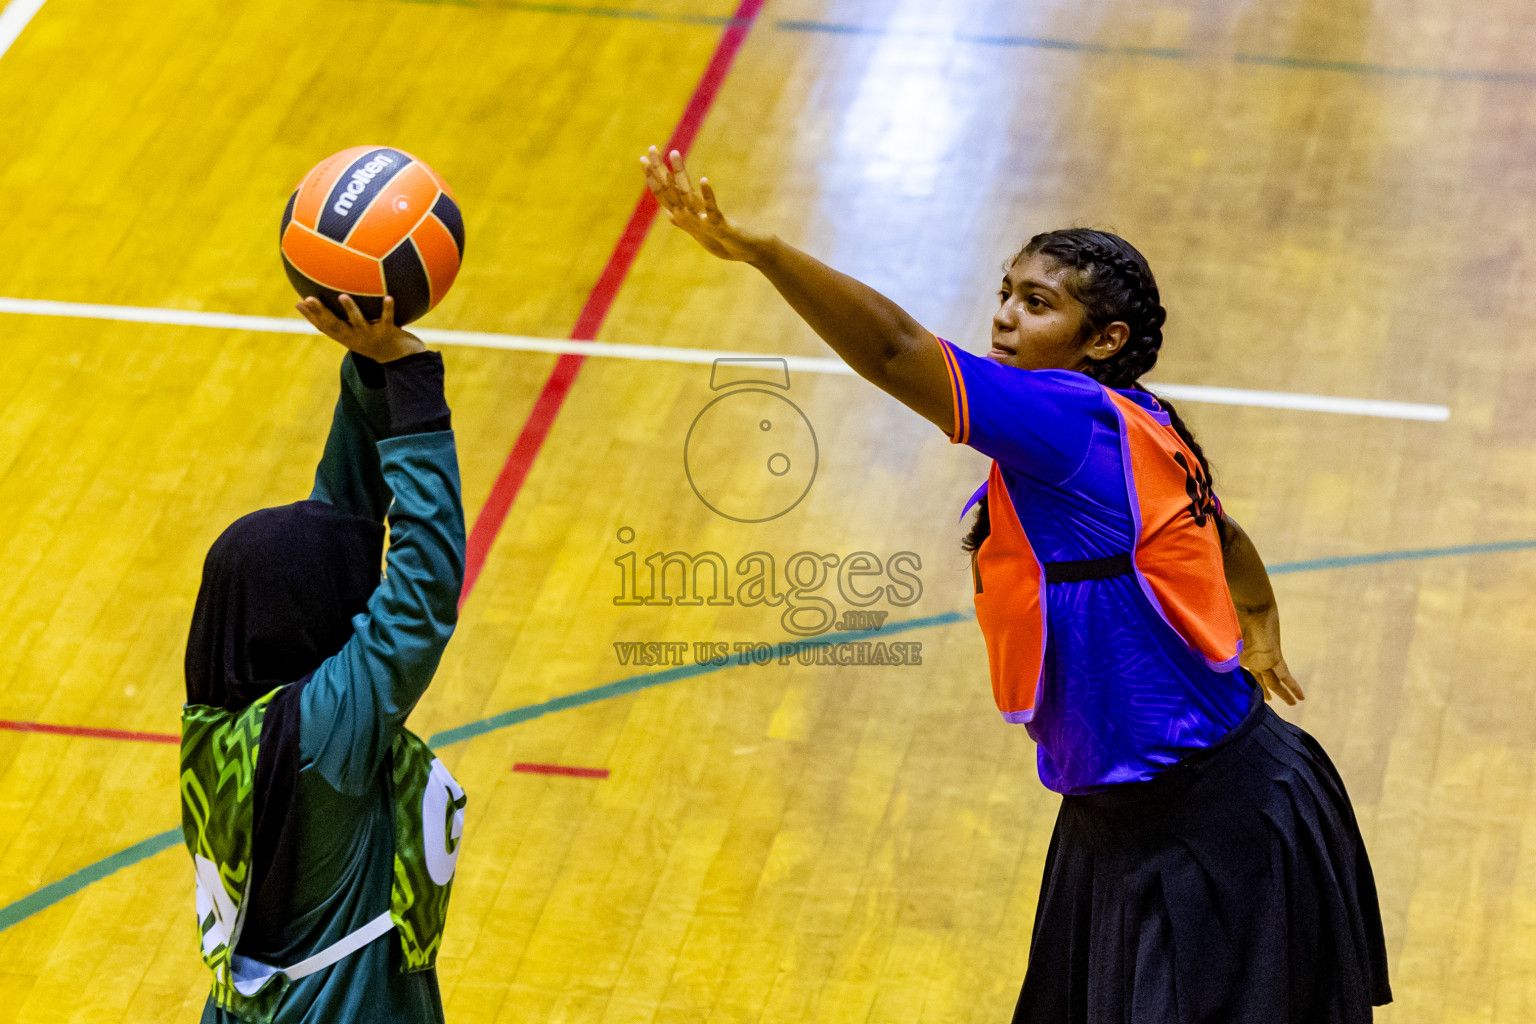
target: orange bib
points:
(1176, 560)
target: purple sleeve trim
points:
(1157, 412)
(1135, 506)
(1019, 717)
(1225, 666)
(981, 492)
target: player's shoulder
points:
(1003, 375)
(1139, 400)
(1073, 381)
(1064, 389)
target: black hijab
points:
(280, 588)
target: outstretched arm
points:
(1254, 599)
(873, 335)
(358, 698)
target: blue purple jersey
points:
(1121, 694)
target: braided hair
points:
(1114, 283)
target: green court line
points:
(67, 886)
(1072, 46)
(1007, 41)
(715, 20)
(1349, 67)
(1524, 78)
(670, 675)
(587, 11)
(54, 892)
(1412, 555)
(985, 39)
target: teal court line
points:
(65, 887)
(590, 11)
(1414, 555)
(715, 20)
(1006, 41)
(54, 892)
(1289, 63)
(1349, 67)
(986, 39)
(671, 675)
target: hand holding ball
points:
(368, 222)
(381, 340)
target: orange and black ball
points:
(373, 221)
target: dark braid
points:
(1114, 284)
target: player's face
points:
(1038, 324)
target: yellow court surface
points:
(1337, 197)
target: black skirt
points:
(1233, 887)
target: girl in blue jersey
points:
(1206, 863)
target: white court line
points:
(15, 17)
(659, 353)
(1304, 403)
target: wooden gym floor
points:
(1337, 196)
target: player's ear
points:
(1109, 341)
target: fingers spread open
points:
(354, 315)
(652, 171)
(317, 313)
(661, 170)
(687, 196)
(658, 190)
(661, 182)
(680, 172)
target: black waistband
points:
(1089, 569)
(1150, 797)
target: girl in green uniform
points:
(302, 667)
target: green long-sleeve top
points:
(352, 708)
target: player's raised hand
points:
(380, 340)
(694, 209)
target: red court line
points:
(599, 301)
(557, 769)
(552, 396)
(100, 734)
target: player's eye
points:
(1036, 302)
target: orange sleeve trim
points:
(962, 407)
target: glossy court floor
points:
(1337, 196)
